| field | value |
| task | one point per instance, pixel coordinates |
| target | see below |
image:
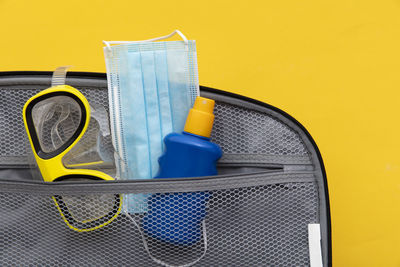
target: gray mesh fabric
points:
(12, 125)
(243, 131)
(253, 226)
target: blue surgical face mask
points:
(152, 86)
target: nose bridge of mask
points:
(109, 43)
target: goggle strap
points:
(59, 75)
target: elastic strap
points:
(59, 75)
(146, 247)
(109, 43)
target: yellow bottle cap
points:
(200, 118)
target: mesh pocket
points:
(252, 226)
(240, 130)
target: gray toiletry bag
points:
(270, 189)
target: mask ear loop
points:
(146, 247)
(184, 39)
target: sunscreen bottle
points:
(177, 217)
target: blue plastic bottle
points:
(177, 217)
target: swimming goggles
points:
(55, 121)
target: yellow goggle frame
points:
(50, 163)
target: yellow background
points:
(333, 65)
